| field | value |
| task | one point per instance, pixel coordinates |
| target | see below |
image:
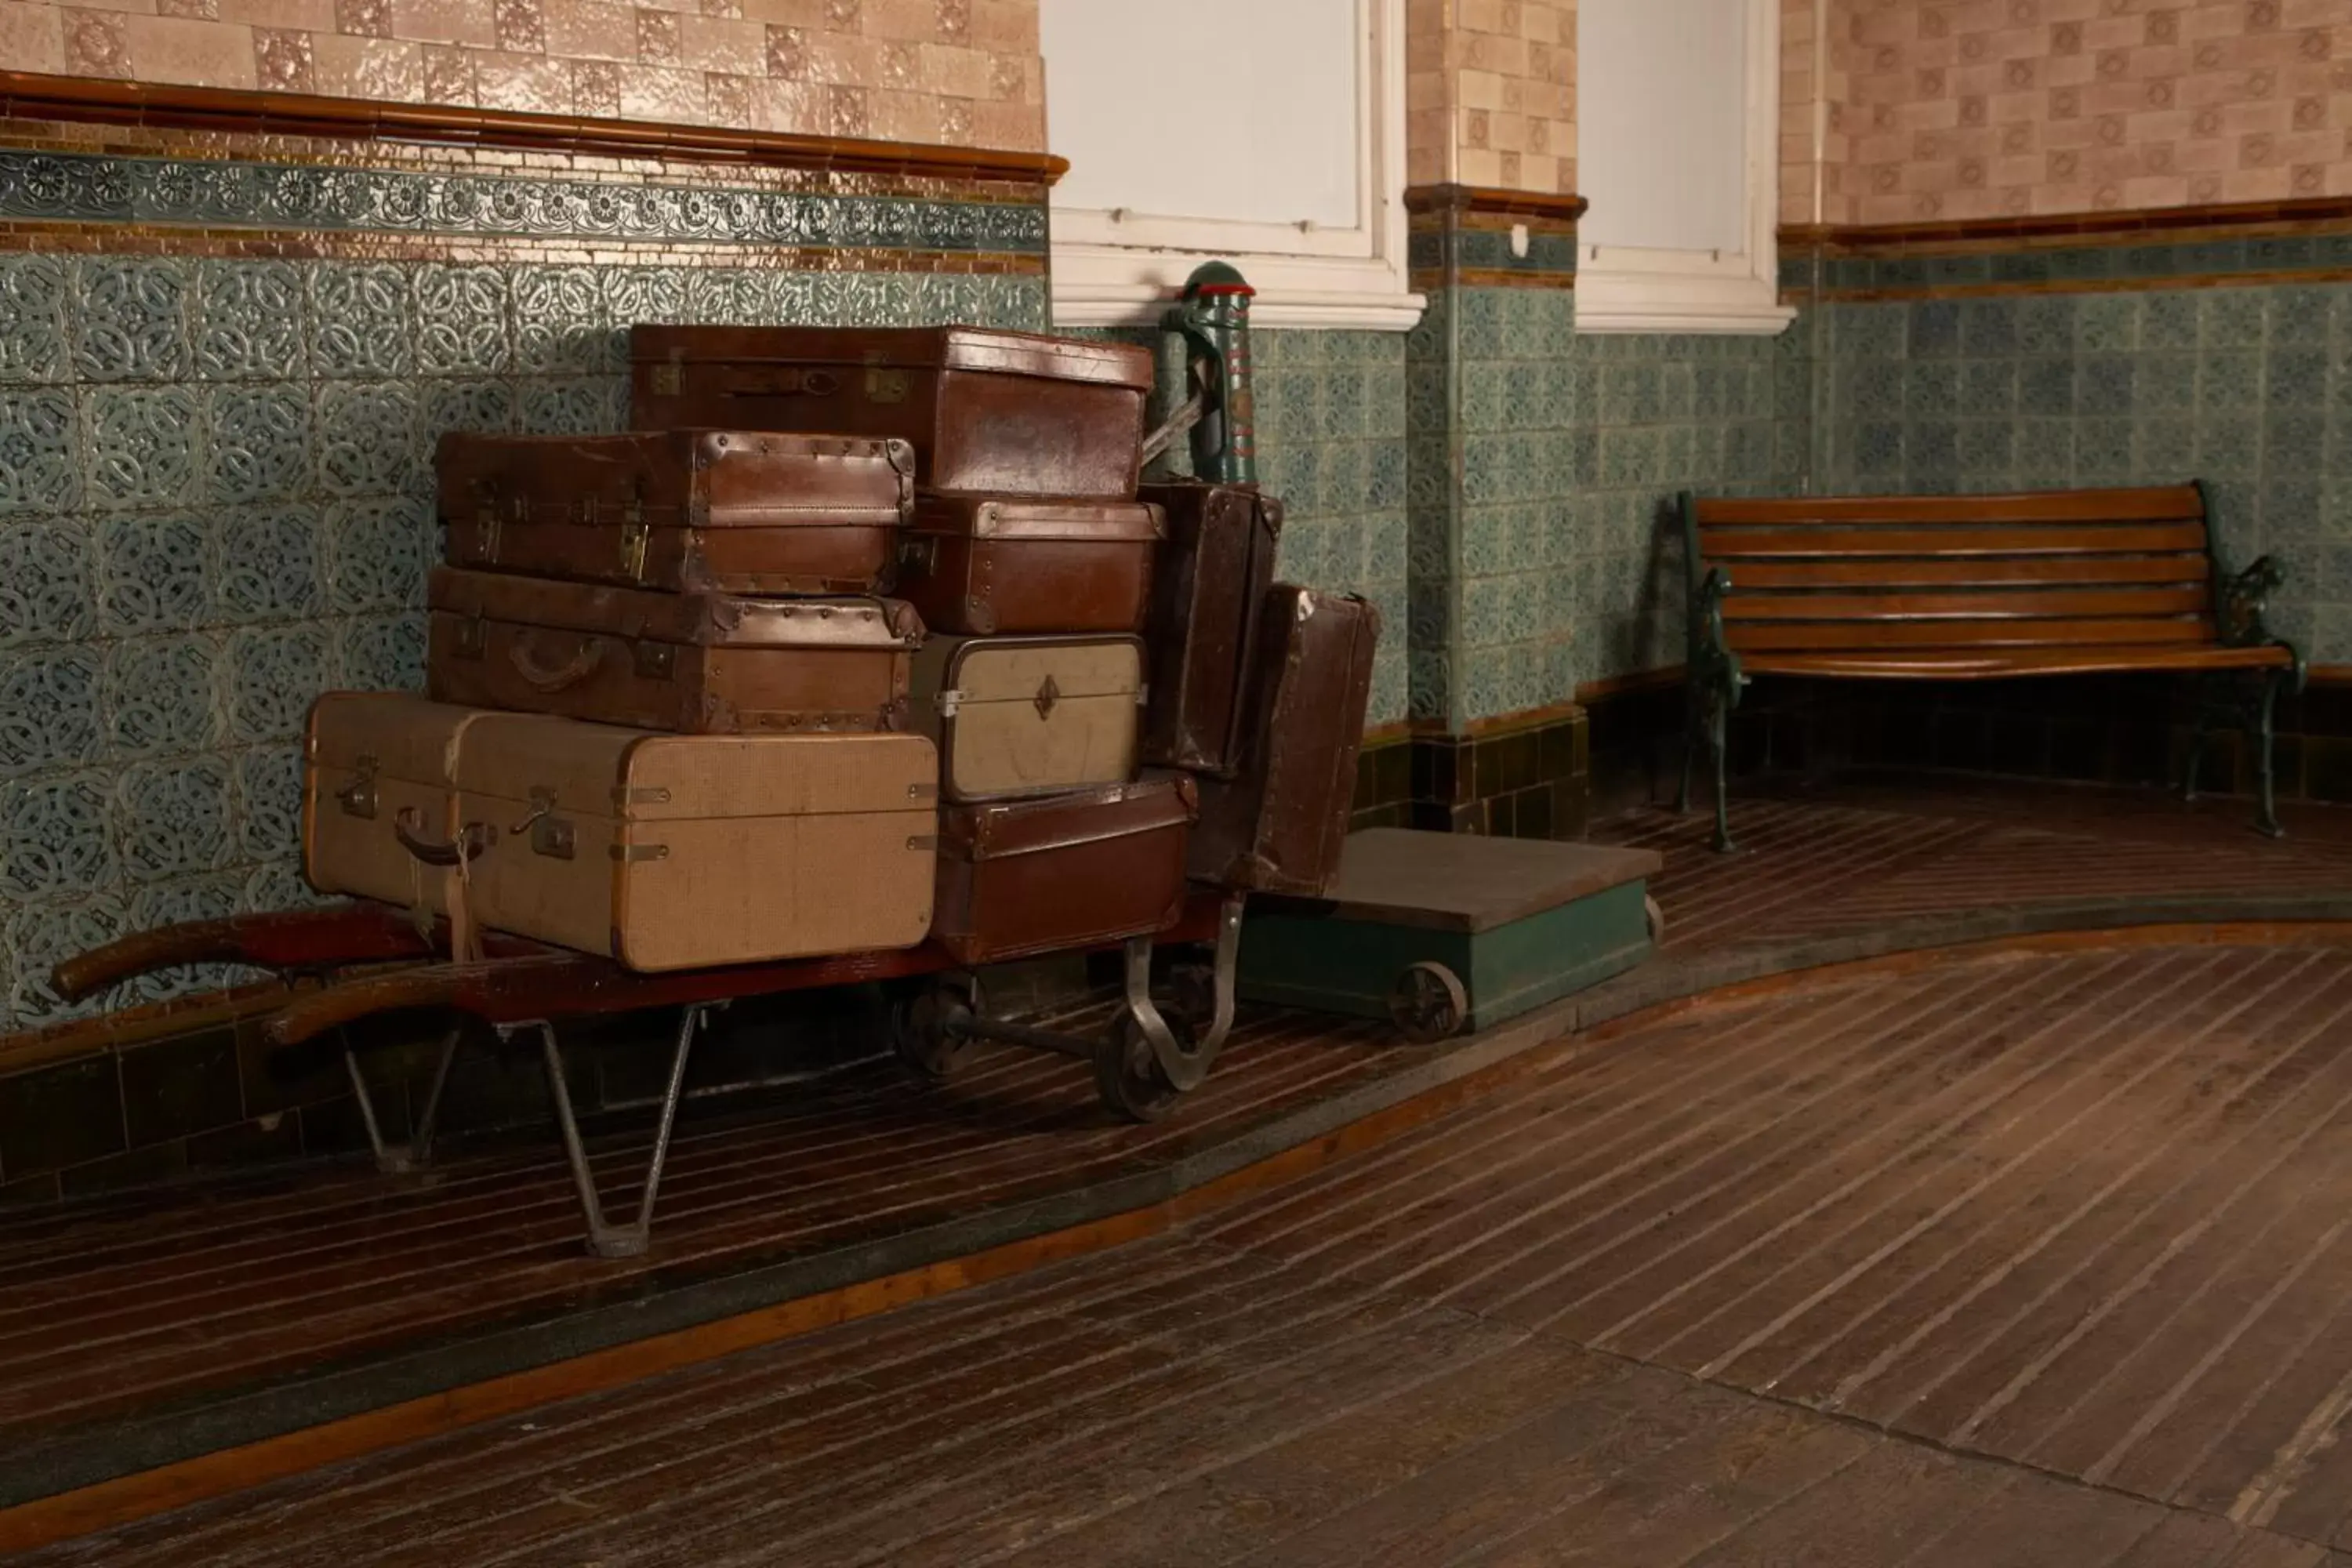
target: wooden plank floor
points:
(149, 1302)
(161, 1301)
(1857, 857)
(2024, 1258)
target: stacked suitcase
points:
(861, 637)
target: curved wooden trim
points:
(1486, 199)
(2149, 223)
(26, 95)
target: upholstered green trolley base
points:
(1444, 931)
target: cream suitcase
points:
(689, 851)
(378, 765)
(1030, 715)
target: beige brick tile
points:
(190, 53)
(32, 38)
(468, 22)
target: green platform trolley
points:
(1442, 932)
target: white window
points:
(1677, 150)
(1266, 133)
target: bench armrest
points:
(2240, 599)
(1712, 662)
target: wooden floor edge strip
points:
(126, 1499)
(1803, 972)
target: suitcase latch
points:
(358, 798)
(473, 637)
(654, 660)
(550, 834)
(485, 523)
(920, 554)
(947, 700)
(668, 377)
(1048, 694)
(885, 385)
(633, 535)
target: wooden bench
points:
(1977, 588)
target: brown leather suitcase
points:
(688, 663)
(1006, 565)
(671, 852)
(1022, 878)
(1024, 716)
(995, 412)
(725, 510)
(1278, 825)
(1216, 567)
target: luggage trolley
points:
(358, 959)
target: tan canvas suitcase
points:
(688, 852)
(378, 765)
(1025, 716)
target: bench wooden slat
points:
(2139, 539)
(1967, 571)
(1993, 664)
(1806, 635)
(1989, 604)
(2168, 503)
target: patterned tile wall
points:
(1331, 425)
(214, 503)
(2247, 388)
(959, 72)
(1562, 567)
(1974, 108)
(1490, 93)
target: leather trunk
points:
(996, 565)
(993, 412)
(1214, 570)
(367, 758)
(1022, 878)
(1025, 716)
(669, 852)
(688, 511)
(1278, 825)
(687, 663)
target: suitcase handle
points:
(580, 666)
(471, 840)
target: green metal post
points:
(1213, 321)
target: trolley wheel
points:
(1658, 919)
(1128, 1077)
(919, 1031)
(1428, 1003)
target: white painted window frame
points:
(1628, 289)
(1122, 267)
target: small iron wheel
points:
(1428, 1003)
(921, 1030)
(1128, 1077)
(1658, 919)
